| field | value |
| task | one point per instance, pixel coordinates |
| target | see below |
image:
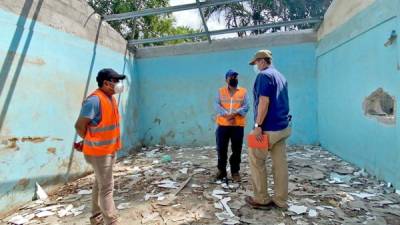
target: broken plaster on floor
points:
(152, 190)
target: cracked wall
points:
(50, 52)
(381, 106)
(352, 63)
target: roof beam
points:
(156, 11)
(204, 21)
(226, 31)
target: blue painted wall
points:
(45, 73)
(352, 63)
(177, 93)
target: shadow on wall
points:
(129, 108)
(85, 93)
(12, 51)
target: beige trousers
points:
(102, 193)
(258, 169)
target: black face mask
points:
(233, 82)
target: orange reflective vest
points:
(104, 139)
(230, 103)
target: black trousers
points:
(235, 135)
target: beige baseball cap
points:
(261, 54)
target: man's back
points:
(271, 83)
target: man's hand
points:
(81, 126)
(78, 146)
(258, 133)
(231, 118)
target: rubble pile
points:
(172, 185)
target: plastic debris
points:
(312, 213)
(44, 214)
(159, 196)
(218, 205)
(84, 192)
(218, 194)
(298, 209)
(224, 202)
(17, 220)
(351, 200)
(199, 170)
(166, 159)
(65, 211)
(363, 195)
(40, 194)
(337, 178)
(184, 170)
(78, 211)
(167, 184)
(222, 216)
(125, 205)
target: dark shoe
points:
(220, 175)
(250, 202)
(97, 219)
(283, 206)
(236, 177)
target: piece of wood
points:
(183, 185)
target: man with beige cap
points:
(271, 115)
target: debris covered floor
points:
(323, 189)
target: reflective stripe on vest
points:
(104, 138)
(102, 129)
(230, 103)
(101, 143)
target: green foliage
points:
(256, 12)
(142, 27)
(246, 13)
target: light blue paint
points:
(177, 93)
(349, 70)
(169, 99)
(42, 98)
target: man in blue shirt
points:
(271, 117)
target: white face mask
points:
(255, 69)
(119, 87)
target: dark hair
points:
(267, 60)
(100, 83)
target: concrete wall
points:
(178, 85)
(352, 63)
(339, 12)
(50, 52)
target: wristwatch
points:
(256, 125)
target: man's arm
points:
(81, 126)
(262, 110)
(265, 88)
(244, 107)
(90, 109)
(218, 108)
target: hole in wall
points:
(380, 105)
